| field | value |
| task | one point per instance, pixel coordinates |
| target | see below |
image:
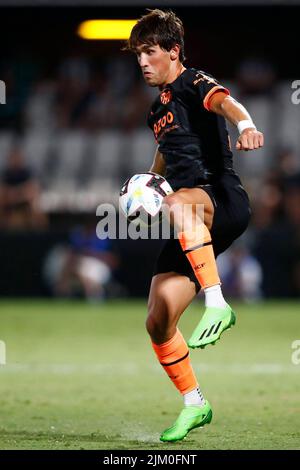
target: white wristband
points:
(245, 124)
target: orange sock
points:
(197, 247)
(174, 357)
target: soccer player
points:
(194, 155)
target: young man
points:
(195, 157)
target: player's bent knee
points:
(151, 325)
(174, 202)
(159, 322)
(155, 327)
(160, 331)
(157, 313)
(173, 207)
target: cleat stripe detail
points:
(217, 327)
(175, 362)
(210, 331)
(203, 334)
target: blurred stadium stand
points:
(80, 167)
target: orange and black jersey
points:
(193, 140)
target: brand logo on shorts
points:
(165, 96)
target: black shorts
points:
(231, 218)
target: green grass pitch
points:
(82, 376)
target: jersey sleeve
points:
(203, 86)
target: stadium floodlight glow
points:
(105, 29)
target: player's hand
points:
(250, 139)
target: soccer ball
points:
(141, 197)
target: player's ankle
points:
(194, 398)
(214, 297)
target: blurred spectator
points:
(241, 273)
(39, 111)
(292, 209)
(19, 195)
(93, 98)
(267, 201)
(103, 109)
(288, 164)
(291, 201)
(74, 93)
(121, 75)
(277, 245)
(255, 75)
(136, 107)
(18, 77)
(83, 268)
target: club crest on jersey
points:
(165, 96)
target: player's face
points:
(155, 64)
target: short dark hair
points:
(158, 27)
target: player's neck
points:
(173, 75)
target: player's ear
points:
(174, 52)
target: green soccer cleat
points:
(191, 417)
(214, 321)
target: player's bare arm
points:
(233, 111)
(158, 165)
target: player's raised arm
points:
(250, 138)
(158, 165)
